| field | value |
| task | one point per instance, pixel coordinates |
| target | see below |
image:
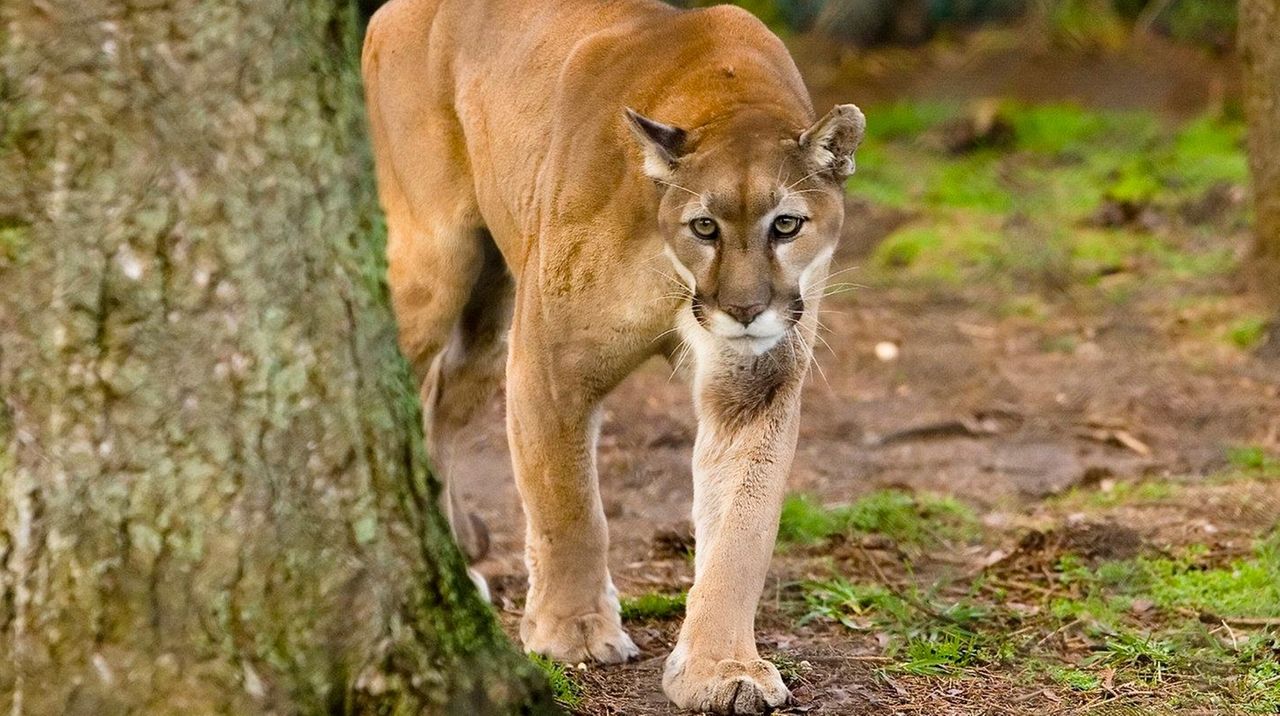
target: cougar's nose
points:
(744, 313)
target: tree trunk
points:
(213, 495)
(1260, 45)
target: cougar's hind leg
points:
(438, 250)
(462, 379)
(448, 304)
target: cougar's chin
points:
(753, 345)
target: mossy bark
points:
(1260, 47)
(213, 494)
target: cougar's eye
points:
(786, 227)
(704, 228)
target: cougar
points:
(571, 188)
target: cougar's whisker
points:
(664, 334)
(806, 176)
(677, 186)
(684, 353)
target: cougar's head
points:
(751, 211)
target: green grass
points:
(940, 251)
(1261, 684)
(905, 121)
(1120, 493)
(884, 178)
(1248, 332)
(15, 238)
(930, 634)
(1054, 129)
(1248, 587)
(653, 606)
(969, 182)
(1074, 678)
(1019, 218)
(1146, 657)
(564, 687)
(947, 653)
(1209, 150)
(1254, 459)
(849, 603)
(901, 516)
(1134, 182)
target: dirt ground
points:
(973, 406)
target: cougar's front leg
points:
(748, 414)
(571, 613)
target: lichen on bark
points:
(1260, 50)
(213, 494)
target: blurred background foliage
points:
(1210, 23)
(869, 22)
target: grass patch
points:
(1209, 150)
(653, 606)
(1054, 128)
(943, 251)
(971, 182)
(899, 121)
(946, 653)
(1261, 684)
(1119, 493)
(884, 178)
(564, 687)
(1253, 459)
(1143, 655)
(903, 517)
(1020, 218)
(1074, 678)
(1248, 587)
(1248, 332)
(931, 634)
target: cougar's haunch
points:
(570, 188)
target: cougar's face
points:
(751, 236)
(751, 219)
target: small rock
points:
(887, 351)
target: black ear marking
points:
(663, 144)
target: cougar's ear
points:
(831, 141)
(661, 143)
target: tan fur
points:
(531, 217)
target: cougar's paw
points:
(724, 687)
(586, 637)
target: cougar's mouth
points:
(760, 336)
